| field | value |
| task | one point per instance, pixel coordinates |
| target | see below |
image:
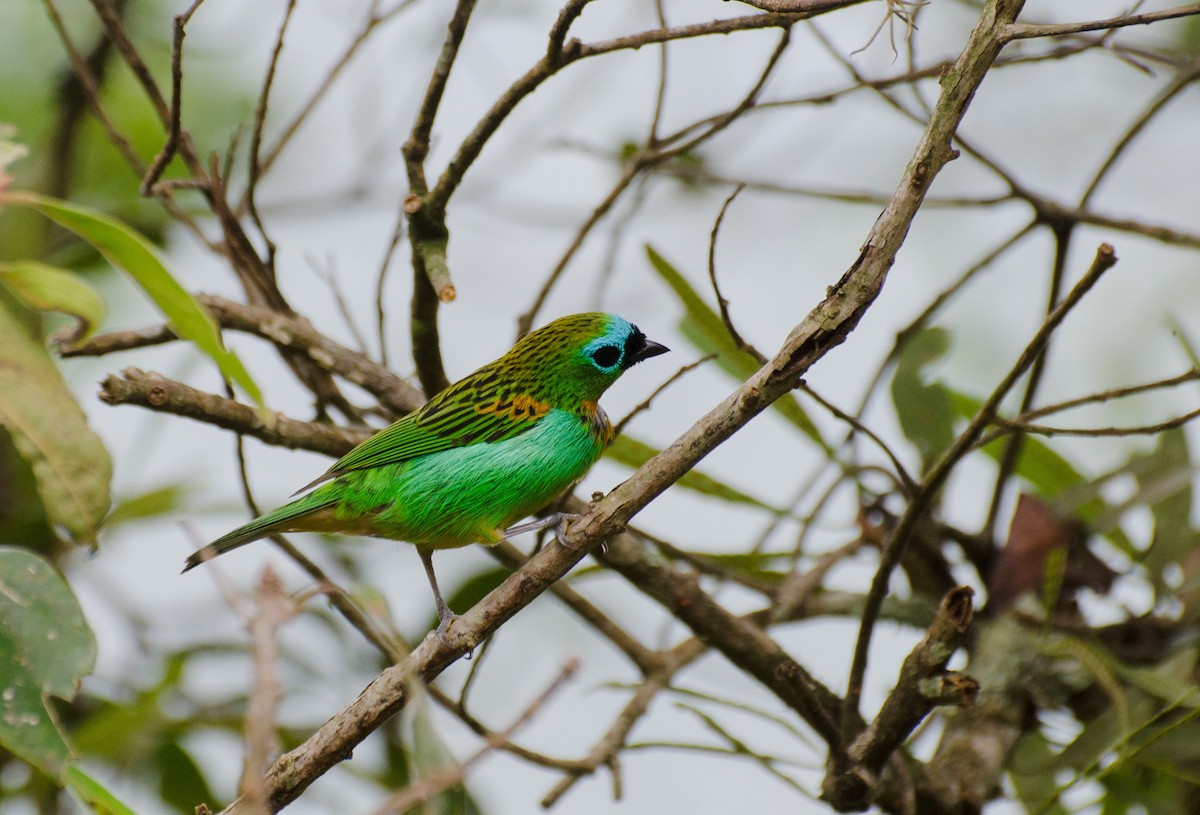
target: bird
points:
(495, 447)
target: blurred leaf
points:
(925, 409)
(126, 733)
(1131, 790)
(50, 431)
(427, 756)
(633, 453)
(180, 782)
(1185, 342)
(1189, 35)
(49, 288)
(1099, 665)
(1165, 479)
(22, 514)
(1031, 770)
(704, 328)
(10, 151)
(1171, 681)
(127, 250)
(98, 799)
(46, 647)
(165, 500)
(1047, 552)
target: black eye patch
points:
(606, 356)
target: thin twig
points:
(256, 136)
(1017, 426)
(722, 303)
(439, 782)
(1021, 31)
(374, 20)
(905, 479)
(1115, 393)
(168, 151)
(644, 405)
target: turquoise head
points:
(579, 356)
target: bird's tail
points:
(284, 519)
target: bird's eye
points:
(606, 356)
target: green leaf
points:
(925, 409)
(1185, 342)
(180, 782)
(123, 732)
(1031, 770)
(704, 328)
(428, 756)
(93, 794)
(1171, 681)
(1131, 789)
(49, 288)
(50, 431)
(154, 503)
(46, 647)
(633, 453)
(1165, 479)
(127, 250)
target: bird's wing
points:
(465, 413)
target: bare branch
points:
(272, 609)
(155, 391)
(288, 332)
(1021, 31)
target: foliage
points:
(1064, 695)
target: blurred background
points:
(820, 151)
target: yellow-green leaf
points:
(69, 462)
(93, 794)
(125, 249)
(48, 288)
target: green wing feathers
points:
(288, 518)
(474, 409)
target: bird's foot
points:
(558, 520)
(447, 617)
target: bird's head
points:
(582, 354)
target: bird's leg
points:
(558, 520)
(445, 615)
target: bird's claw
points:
(558, 520)
(442, 629)
(560, 530)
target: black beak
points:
(649, 348)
